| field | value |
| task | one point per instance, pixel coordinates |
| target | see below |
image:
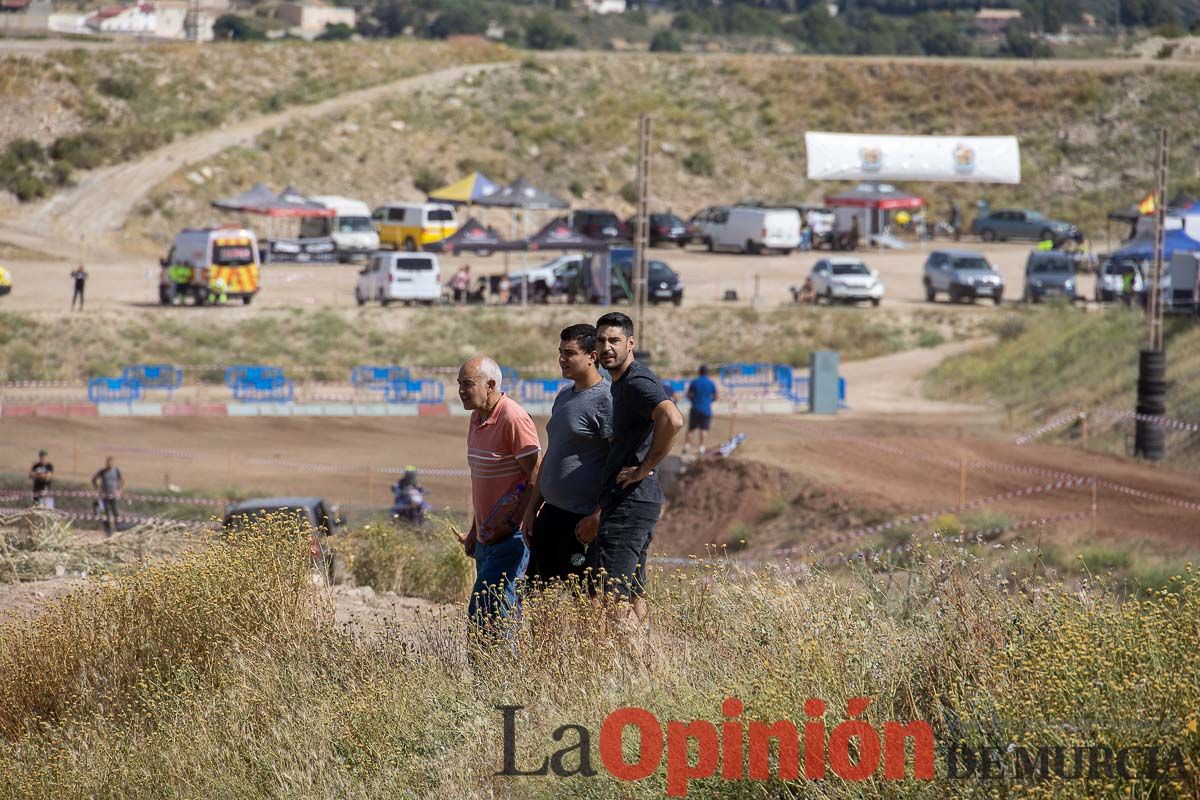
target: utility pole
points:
(1152, 361)
(641, 230)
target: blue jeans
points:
(498, 567)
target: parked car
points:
(756, 230)
(411, 226)
(847, 279)
(1110, 280)
(599, 224)
(664, 229)
(961, 275)
(703, 221)
(1020, 223)
(552, 277)
(1049, 274)
(663, 284)
(313, 514)
(400, 277)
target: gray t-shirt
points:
(110, 481)
(572, 471)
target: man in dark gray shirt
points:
(567, 488)
(645, 424)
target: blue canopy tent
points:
(1143, 249)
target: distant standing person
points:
(645, 424)
(502, 452)
(110, 482)
(461, 283)
(80, 275)
(702, 392)
(955, 220)
(42, 475)
(567, 489)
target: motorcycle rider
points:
(409, 496)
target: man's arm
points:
(533, 501)
(528, 464)
(668, 422)
(95, 478)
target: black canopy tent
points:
(473, 237)
(523, 195)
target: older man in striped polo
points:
(502, 451)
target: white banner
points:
(864, 156)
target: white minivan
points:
(351, 228)
(400, 277)
(753, 230)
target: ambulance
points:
(210, 266)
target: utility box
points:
(823, 382)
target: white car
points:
(847, 279)
(553, 273)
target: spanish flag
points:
(1148, 205)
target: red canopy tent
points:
(871, 203)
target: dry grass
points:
(216, 677)
(325, 344)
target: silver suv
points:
(961, 275)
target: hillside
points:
(77, 109)
(725, 127)
(1060, 361)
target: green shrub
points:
(699, 162)
(665, 42)
(120, 88)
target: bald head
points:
(479, 381)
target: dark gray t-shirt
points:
(110, 481)
(572, 470)
(634, 396)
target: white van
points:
(402, 277)
(753, 230)
(350, 228)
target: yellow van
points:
(411, 226)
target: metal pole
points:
(641, 226)
(1154, 303)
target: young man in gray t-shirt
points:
(567, 488)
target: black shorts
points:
(697, 420)
(617, 558)
(553, 545)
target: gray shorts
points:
(617, 558)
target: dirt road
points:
(98, 205)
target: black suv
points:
(664, 229)
(599, 224)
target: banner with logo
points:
(865, 156)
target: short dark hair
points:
(703, 369)
(615, 319)
(582, 333)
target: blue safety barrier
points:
(415, 391)
(542, 391)
(376, 378)
(155, 376)
(113, 390)
(509, 376)
(252, 373)
(784, 378)
(264, 390)
(745, 376)
(677, 387)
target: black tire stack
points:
(1149, 439)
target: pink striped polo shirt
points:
(493, 445)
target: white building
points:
(138, 18)
(309, 20)
(605, 6)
